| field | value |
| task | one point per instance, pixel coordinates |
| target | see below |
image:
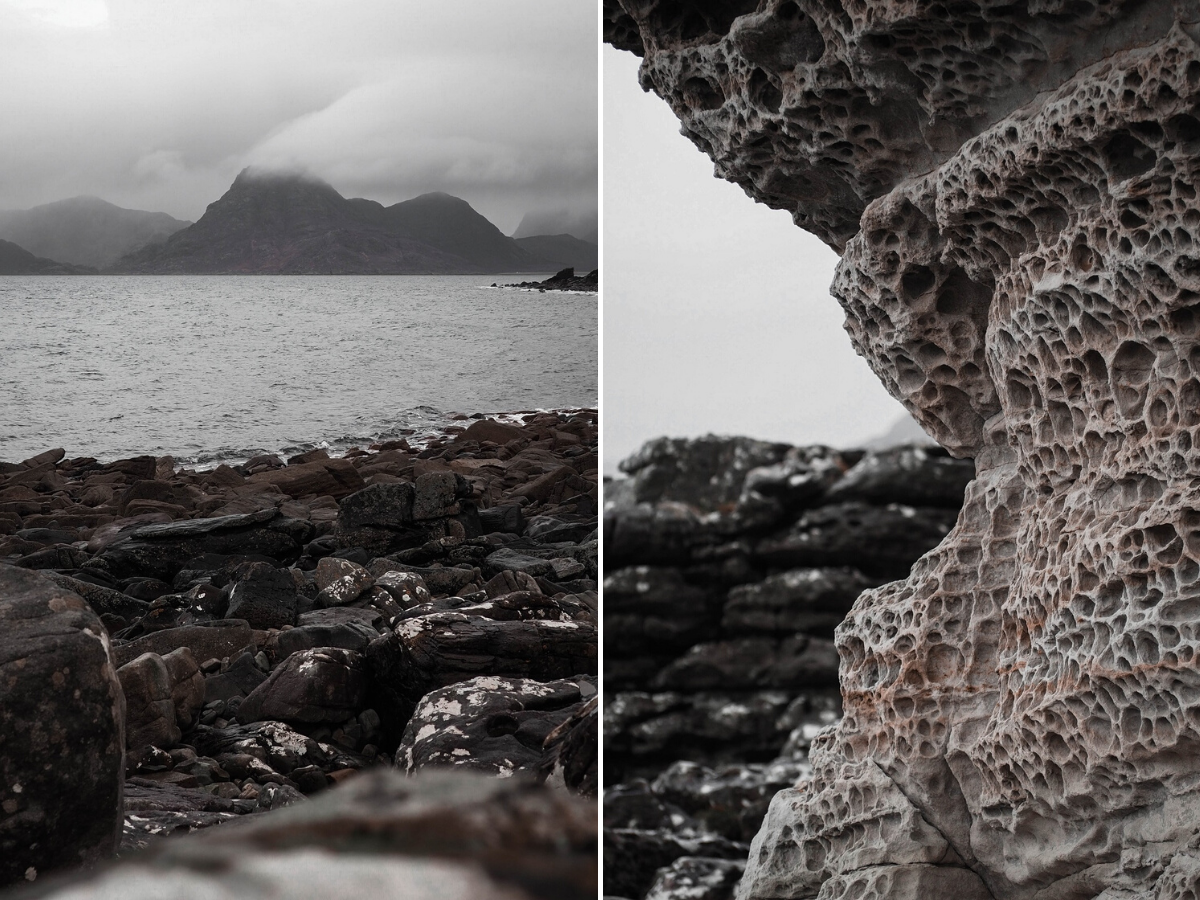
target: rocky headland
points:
(185, 649)
(729, 562)
(1012, 189)
(564, 280)
(16, 260)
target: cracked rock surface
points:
(1013, 190)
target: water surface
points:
(206, 368)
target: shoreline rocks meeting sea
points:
(183, 649)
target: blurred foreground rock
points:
(439, 836)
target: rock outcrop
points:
(720, 665)
(270, 628)
(1012, 188)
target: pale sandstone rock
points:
(1014, 191)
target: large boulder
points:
(150, 705)
(62, 741)
(322, 685)
(490, 724)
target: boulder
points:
(187, 685)
(212, 640)
(378, 506)
(812, 601)
(490, 724)
(150, 706)
(313, 686)
(633, 857)
(264, 596)
(697, 878)
(329, 477)
(910, 475)
(62, 741)
(880, 541)
(340, 581)
(352, 635)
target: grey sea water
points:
(210, 368)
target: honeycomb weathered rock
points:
(1013, 188)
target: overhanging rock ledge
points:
(1013, 190)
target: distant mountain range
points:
(85, 231)
(277, 224)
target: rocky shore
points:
(565, 280)
(181, 649)
(728, 564)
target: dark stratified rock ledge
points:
(192, 648)
(729, 562)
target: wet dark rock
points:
(105, 601)
(442, 581)
(340, 581)
(914, 476)
(697, 878)
(154, 810)
(882, 542)
(646, 732)
(150, 707)
(322, 685)
(571, 752)
(514, 561)
(632, 857)
(653, 610)
(705, 473)
(490, 724)
(729, 800)
(214, 640)
(263, 596)
(378, 506)
(810, 601)
(187, 685)
(237, 679)
(354, 635)
(62, 713)
(507, 519)
(55, 558)
(796, 662)
(160, 551)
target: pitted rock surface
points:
(1013, 188)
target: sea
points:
(219, 368)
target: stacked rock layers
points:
(1017, 187)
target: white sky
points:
(717, 314)
(158, 104)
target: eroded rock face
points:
(1013, 189)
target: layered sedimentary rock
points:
(1013, 191)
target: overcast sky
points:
(158, 104)
(717, 313)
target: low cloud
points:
(158, 106)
